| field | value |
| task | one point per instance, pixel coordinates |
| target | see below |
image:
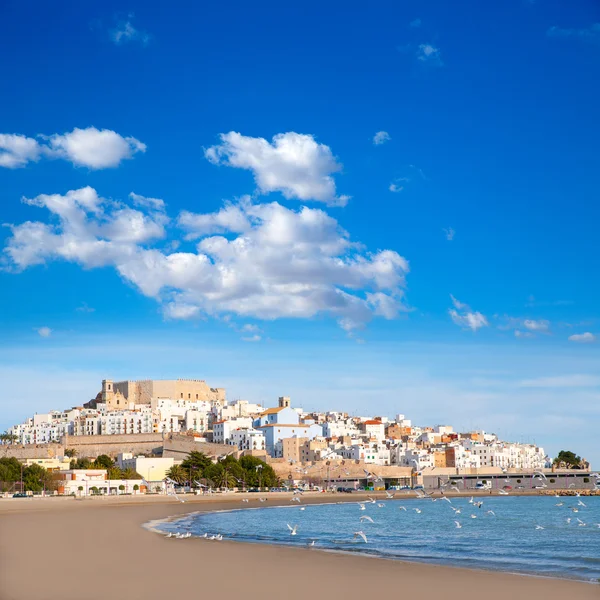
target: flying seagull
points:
(361, 535)
(292, 529)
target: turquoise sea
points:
(529, 535)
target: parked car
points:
(20, 495)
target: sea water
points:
(524, 535)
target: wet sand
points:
(67, 549)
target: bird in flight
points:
(458, 525)
(360, 534)
(293, 529)
(366, 518)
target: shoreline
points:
(106, 536)
(150, 526)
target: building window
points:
(182, 394)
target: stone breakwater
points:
(572, 492)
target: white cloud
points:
(562, 381)
(280, 263)
(583, 338)
(540, 326)
(252, 338)
(449, 233)
(92, 231)
(463, 316)
(17, 150)
(429, 54)
(84, 308)
(523, 334)
(249, 328)
(94, 148)
(398, 184)
(230, 218)
(381, 137)
(150, 203)
(586, 34)
(44, 332)
(125, 32)
(293, 164)
(90, 147)
(415, 23)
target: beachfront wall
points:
(563, 480)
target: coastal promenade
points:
(96, 548)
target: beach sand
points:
(67, 549)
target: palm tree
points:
(178, 474)
(224, 479)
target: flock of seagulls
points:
(361, 536)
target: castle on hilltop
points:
(123, 395)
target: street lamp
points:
(259, 471)
(149, 478)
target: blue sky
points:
(388, 209)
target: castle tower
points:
(107, 391)
(284, 402)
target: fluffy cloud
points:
(538, 326)
(429, 54)
(274, 262)
(583, 338)
(252, 338)
(525, 328)
(293, 164)
(91, 147)
(381, 137)
(94, 148)
(450, 233)
(125, 32)
(463, 316)
(17, 150)
(230, 218)
(92, 232)
(44, 332)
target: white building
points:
(247, 439)
(222, 429)
(151, 469)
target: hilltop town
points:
(149, 426)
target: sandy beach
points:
(71, 549)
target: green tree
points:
(103, 462)
(136, 487)
(197, 462)
(259, 472)
(7, 437)
(178, 474)
(10, 472)
(82, 463)
(71, 452)
(569, 459)
(121, 488)
(114, 473)
(223, 478)
(130, 473)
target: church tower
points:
(107, 391)
(284, 402)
